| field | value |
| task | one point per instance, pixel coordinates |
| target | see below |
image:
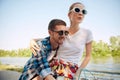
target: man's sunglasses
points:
(61, 32)
(78, 10)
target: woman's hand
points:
(77, 75)
(34, 47)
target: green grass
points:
(10, 67)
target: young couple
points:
(67, 45)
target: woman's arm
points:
(86, 59)
(34, 46)
(87, 56)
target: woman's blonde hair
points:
(72, 6)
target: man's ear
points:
(50, 32)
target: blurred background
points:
(23, 20)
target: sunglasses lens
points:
(84, 11)
(66, 33)
(60, 33)
(77, 10)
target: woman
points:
(71, 51)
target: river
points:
(105, 64)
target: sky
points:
(23, 20)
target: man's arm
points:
(36, 49)
(44, 64)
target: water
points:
(105, 68)
(108, 65)
(17, 61)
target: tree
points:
(115, 45)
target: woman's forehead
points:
(79, 5)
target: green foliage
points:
(10, 67)
(16, 53)
(98, 49)
(115, 45)
(24, 52)
(104, 49)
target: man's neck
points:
(54, 44)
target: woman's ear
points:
(69, 14)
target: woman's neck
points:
(74, 28)
(54, 44)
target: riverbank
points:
(9, 75)
(11, 67)
(13, 73)
(106, 66)
(10, 72)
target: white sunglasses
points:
(78, 10)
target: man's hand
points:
(49, 77)
(34, 47)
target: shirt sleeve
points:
(37, 65)
(45, 68)
(46, 71)
(89, 36)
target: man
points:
(38, 65)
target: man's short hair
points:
(55, 22)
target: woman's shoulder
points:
(85, 29)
